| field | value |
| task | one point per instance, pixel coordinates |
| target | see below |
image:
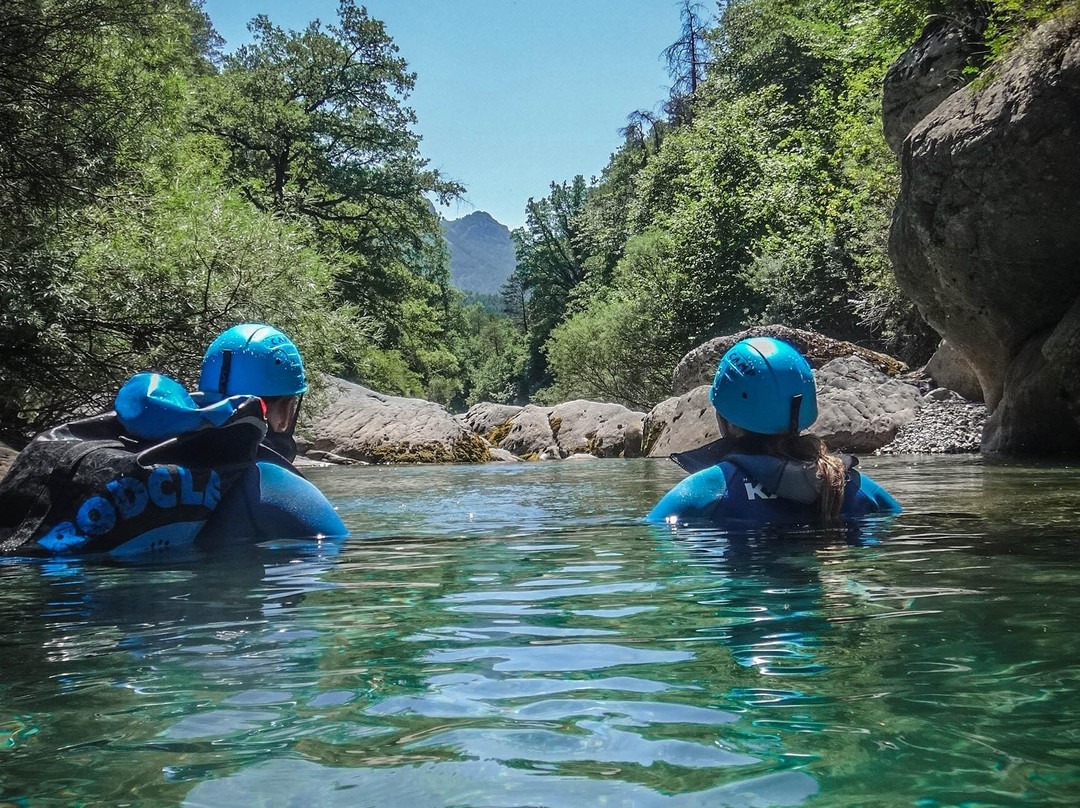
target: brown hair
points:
(830, 468)
(802, 448)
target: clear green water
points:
(514, 636)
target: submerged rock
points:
(699, 366)
(361, 424)
(986, 236)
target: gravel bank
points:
(945, 424)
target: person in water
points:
(273, 500)
(764, 469)
(164, 471)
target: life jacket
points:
(758, 488)
(90, 486)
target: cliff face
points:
(986, 231)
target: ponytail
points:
(830, 468)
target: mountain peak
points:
(481, 252)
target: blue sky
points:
(510, 94)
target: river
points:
(514, 635)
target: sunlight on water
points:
(516, 636)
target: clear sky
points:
(510, 94)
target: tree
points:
(88, 90)
(687, 58)
(550, 262)
(317, 129)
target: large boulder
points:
(986, 236)
(699, 366)
(530, 434)
(595, 428)
(551, 433)
(680, 423)
(360, 424)
(860, 409)
(929, 72)
(951, 369)
(492, 421)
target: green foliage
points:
(151, 276)
(1008, 19)
(621, 345)
(494, 356)
(550, 264)
(768, 199)
(317, 129)
(150, 200)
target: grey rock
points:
(947, 426)
(361, 424)
(860, 409)
(503, 456)
(986, 236)
(942, 394)
(680, 423)
(314, 457)
(7, 457)
(949, 368)
(699, 366)
(596, 428)
(581, 456)
(531, 433)
(488, 419)
(927, 73)
(550, 453)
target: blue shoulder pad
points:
(151, 406)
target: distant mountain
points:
(481, 252)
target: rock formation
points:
(360, 424)
(7, 457)
(698, 366)
(860, 409)
(986, 231)
(574, 427)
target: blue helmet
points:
(764, 385)
(252, 359)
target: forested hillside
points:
(154, 191)
(762, 192)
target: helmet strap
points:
(226, 366)
(793, 417)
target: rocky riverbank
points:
(945, 424)
(867, 403)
